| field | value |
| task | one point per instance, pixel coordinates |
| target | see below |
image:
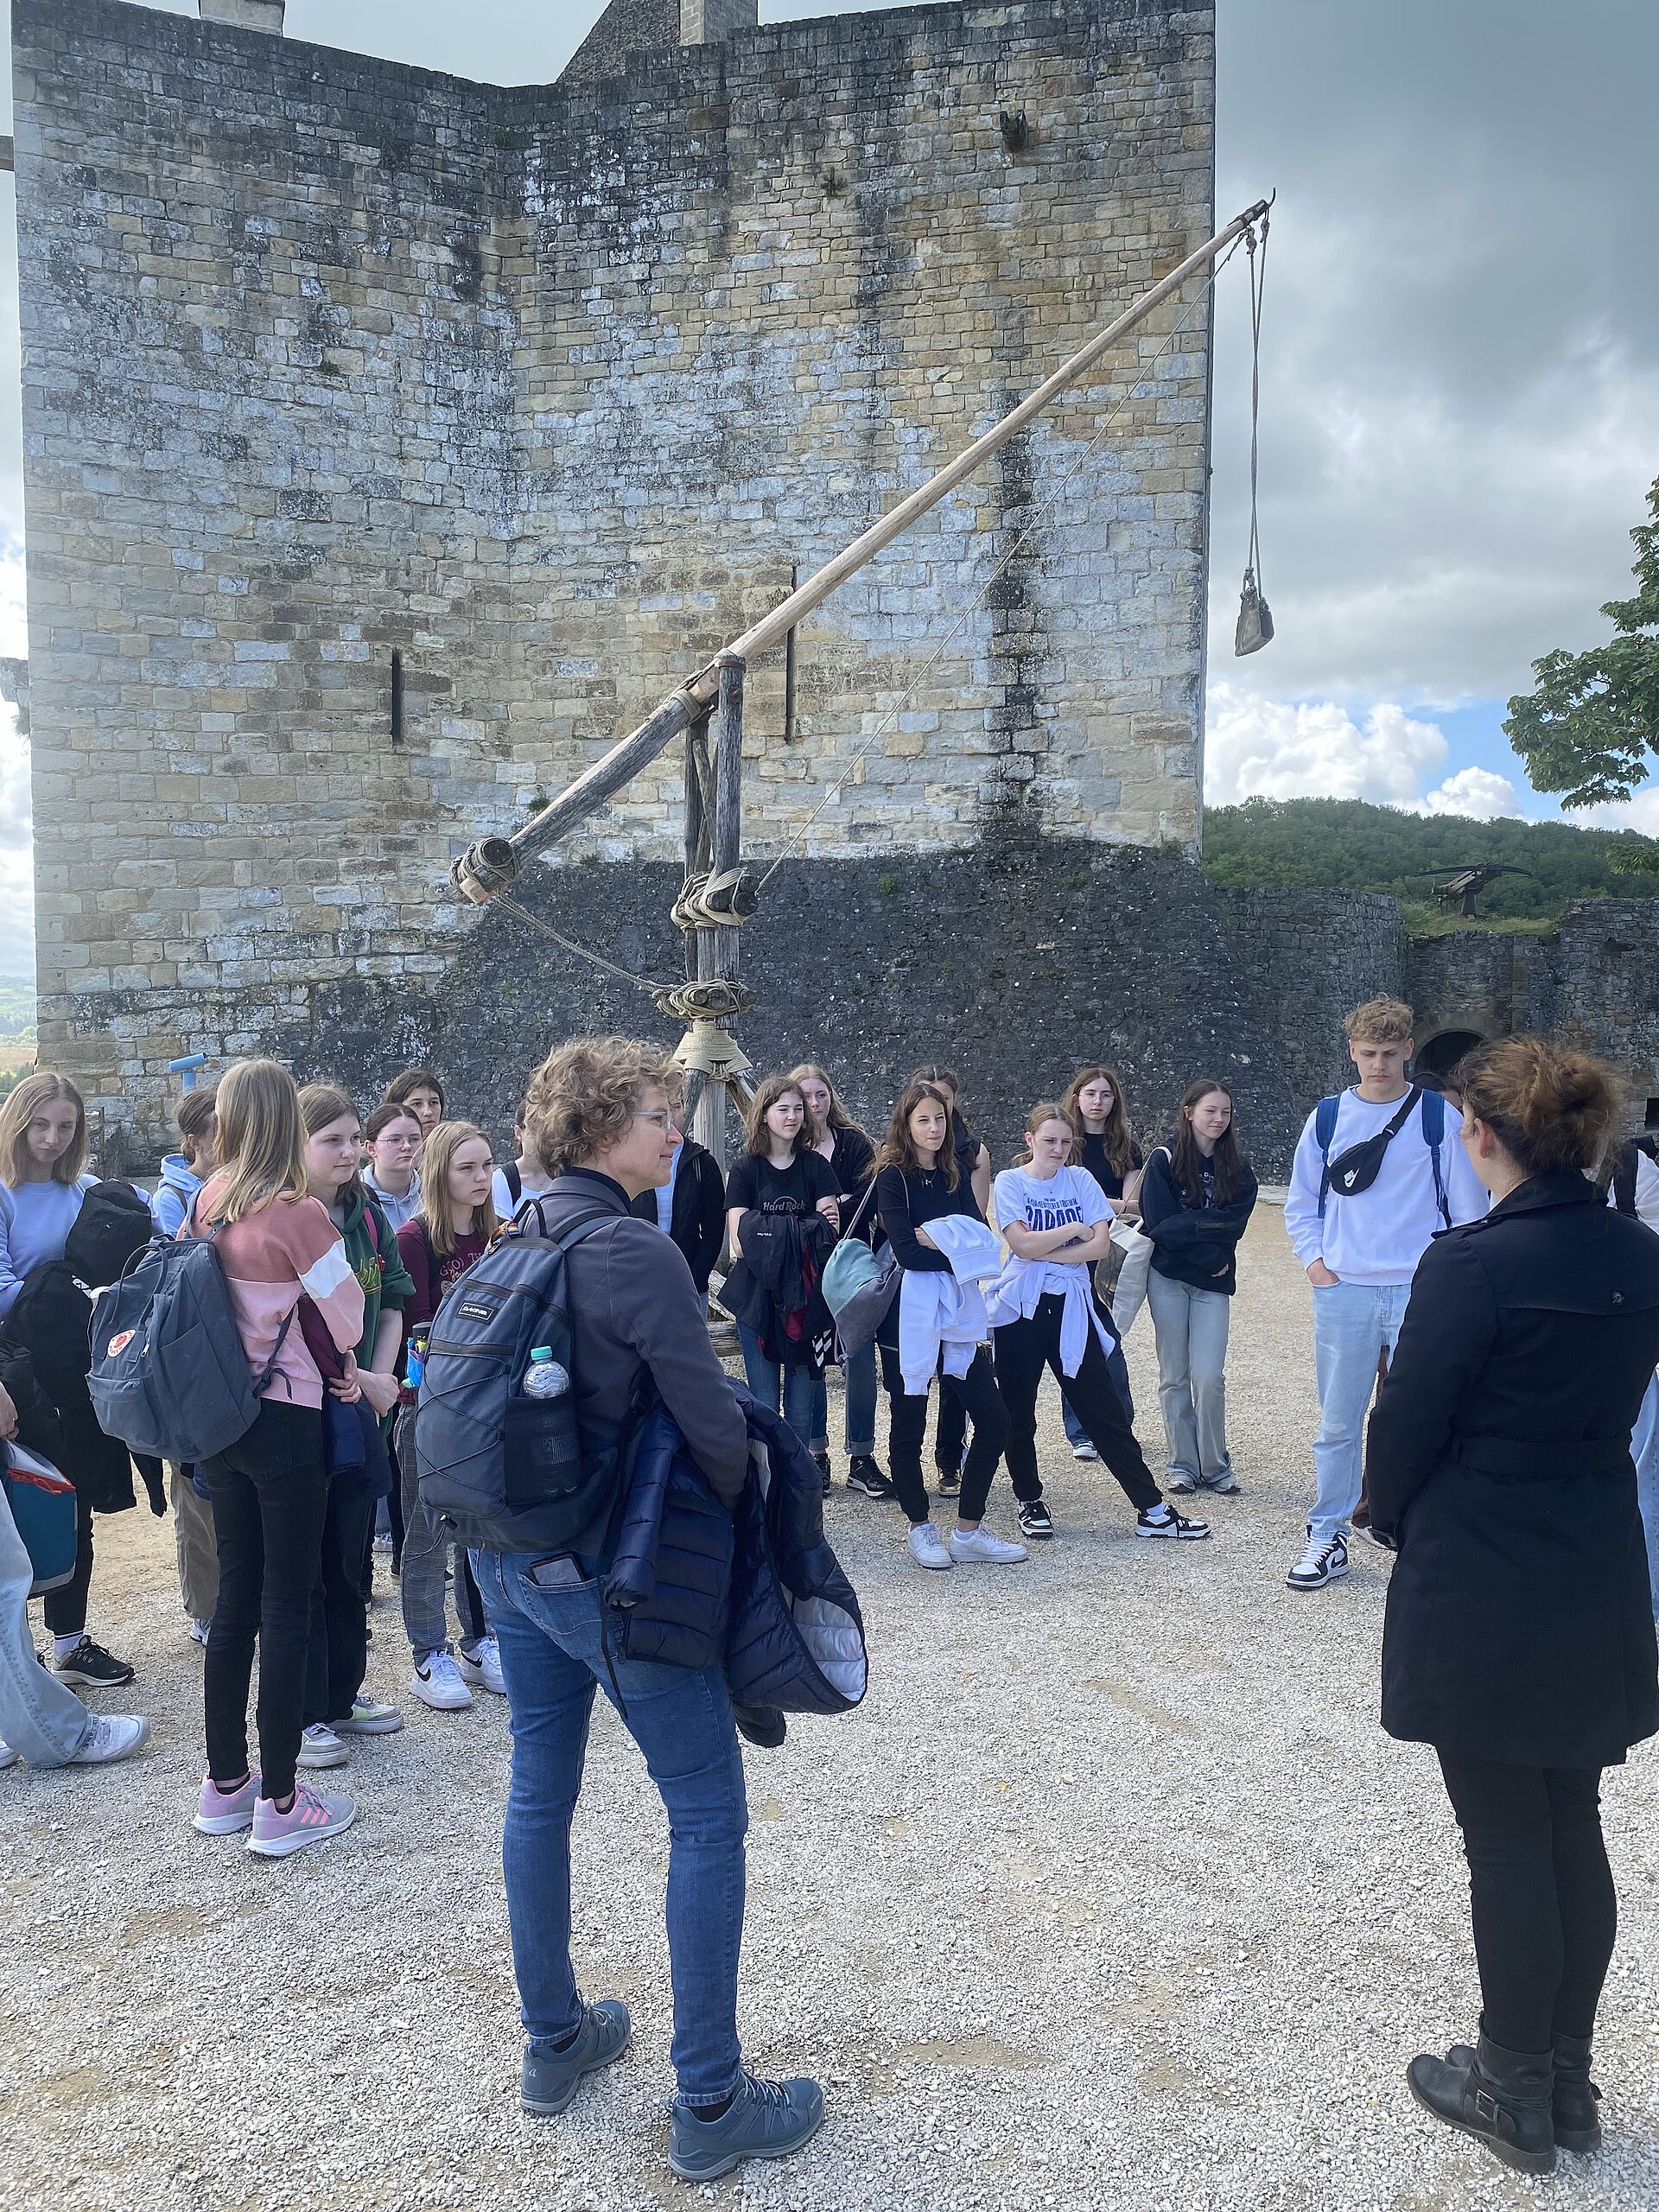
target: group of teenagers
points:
(1485, 1274)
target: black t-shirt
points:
(1094, 1160)
(756, 1186)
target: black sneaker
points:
(949, 1480)
(91, 1663)
(821, 1461)
(1034, 1518)
(865, 1475)
(1164, 1521)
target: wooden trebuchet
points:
(489, 867)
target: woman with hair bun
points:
(1519, 1639)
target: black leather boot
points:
(1500, 2097)
(1578, 2126)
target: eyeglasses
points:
(661, 1116)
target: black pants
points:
(1542, 1890)
(337, 1654)
(1023, 1349)
(66, 1607)
(270, 1493)
(976, 1393)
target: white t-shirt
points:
(1379, 1235)
(1069, 1197)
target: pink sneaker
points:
(315, 1815)
(219, 1815)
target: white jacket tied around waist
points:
(1013, 1296)
(944, 1315)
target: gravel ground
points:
(1113, 1892)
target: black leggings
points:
(1542, 1890)
(270, 1497)
(1023, 1349)
(976, 1394)
(65, 1606)
(338, 1656)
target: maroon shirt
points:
(431, 1275)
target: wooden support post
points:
(717, 949)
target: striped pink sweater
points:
(286, 1249)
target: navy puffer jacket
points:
(758, 1593)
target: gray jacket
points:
(633, 1306)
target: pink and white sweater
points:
(286, 1249)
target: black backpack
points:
(499, 1470)
(114, 1223)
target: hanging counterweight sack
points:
(1358, 1167)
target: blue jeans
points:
(859, 1433)
(793, 1390)
(681, 1718)
(1354, 1323)
(40, 1717)
(1644, 1450)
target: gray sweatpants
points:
(421, 1570)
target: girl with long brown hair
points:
(918, 1181)
(783, 1344)
(1095, 1104)
(837, 1138)
(1196, 1199)
(456, 1220)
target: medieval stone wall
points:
(548, 392)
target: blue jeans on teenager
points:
(1644, 1450)
(859, 1434)
(1354, 1324)
(40, 1717)
(790, 1389)
(553, 1658)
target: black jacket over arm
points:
(1197, 1245)
(1520, 1621)
(696, 1222)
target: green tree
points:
(1590, 729)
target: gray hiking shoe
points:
(765, 2120)
(549, 2078)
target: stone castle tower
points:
(394, 442)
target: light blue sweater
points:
(35, 1219)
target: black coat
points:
(1196, 1245)
(696, 1221)
(1520, 1621)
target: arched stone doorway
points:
(1440, 1053)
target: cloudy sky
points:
(1460, 371)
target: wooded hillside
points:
(1303, 843)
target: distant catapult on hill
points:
(1464, 884)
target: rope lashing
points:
(724, 901)
(1255, 626)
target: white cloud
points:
(16, 862)
(1479, 794)
(1314, 749)
(1640, 812)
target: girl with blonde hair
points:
(270, 1490)
(42, 1183)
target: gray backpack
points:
(169, 1377)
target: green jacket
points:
(386, 1283)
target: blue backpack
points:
(169, 1377)
(1325, 1128)
(500, 1470)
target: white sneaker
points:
(8, 1757)
(439, 1684)
(980, 1544)
(114, 1735)
(927, 1546)
(320, 1746)
(1325, 1558)
(481, 1666)
(368, 1717)
(1084, 1451)
(198, 1632)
